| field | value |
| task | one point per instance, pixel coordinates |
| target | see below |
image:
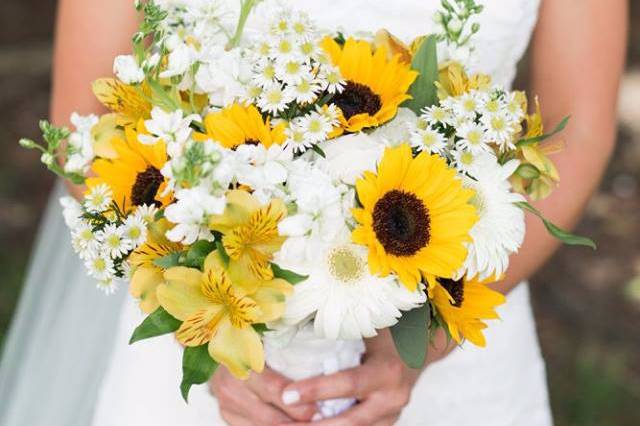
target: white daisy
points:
(428, 140)
(99, 198)
(310, 50)
(315, 126)
(306, 89)
(296, 137)
(264, 74)
(147, 213)
(500, 229)
(291, 71)
(331, 79)
(466, 105)
(100, 266)
(108, 286)
(114, 241)
(348, 302)
(135, 230)
(472, 137)
(274, 99)
(436, 114)
(464, 160)
(499, 129)
(285, 48)
(84, 240)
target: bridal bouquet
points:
(276, 195)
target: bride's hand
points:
(256, 401)
(382, 385)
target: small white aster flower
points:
(331, 112)
(99, 198)
(274, 99)
(100, 266)
(147, 213)
(331, 78)
(464, 160)
(135, 230)
(466, 106)
(285, 48)
(114, 241)
(295, 138)
(84, 240)
(291, 71)
(316, 127)
(499, 130)
(310, 50)
(264, 74)
(109, 286)
(429, 140)
(436, 114)
(472, 137)
(306, 90)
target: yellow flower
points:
(237, 125)
(215, 311)
(250, 236)
(375, 87)
(463, 305)
(394, 46)
(415, 217)
(134, 174)
(454, 81)
(536, 155)
(147, 276)
(126, 101)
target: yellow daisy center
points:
(474, 137)
(493, 106)
(401, 223)
(345, 265)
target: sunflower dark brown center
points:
(146, 187)
(356, 99)
(252, 142)
(401, 223)
(455, 290)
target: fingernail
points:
(290, 397)
(316, 417)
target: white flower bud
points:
(127, 70)
(47, 159)
(454, 25)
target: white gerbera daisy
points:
(500, 229)
(472, 137)
(274, 99)
(99, 198)
(428, 140)
(348, 302)
(114, 241)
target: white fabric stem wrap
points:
(302, 355)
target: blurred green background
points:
(587, 303)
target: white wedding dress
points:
(503, 384)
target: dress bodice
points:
(505, 25)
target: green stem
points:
(245, 9)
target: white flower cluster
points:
(80, 144)
(103, 241)
(460, 128)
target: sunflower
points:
(415, 217)
(217, 312)
(250, 236)
(463, 304)
(236, 125)
(147, 276)
(375, 86)
(134, 174)
(129, 103)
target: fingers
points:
(234, 419)
(269, 386)
(241, 405)
(375, 373)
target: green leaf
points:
(423, 90)
(560, 127)
(162, 97)
(289, 276)
(198, 253)
(224, 256)
(159, 322)
(528, 171)
(318, 151)
(197, 368)
(168, 261)
(411, 336)
(559, 233)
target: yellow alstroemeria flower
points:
(147, 276)
(454, 81)
(236, 125)
(250, 236)
(217, 312)
(126, 101)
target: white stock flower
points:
(500, 229)
(223, 75)
(398, 130)
(170, 127)
(190, 214)
(80, 144)
(348, 302)
(71, 211)
(181, 58)
(127, 69)
(348, 157)
(263, 169)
